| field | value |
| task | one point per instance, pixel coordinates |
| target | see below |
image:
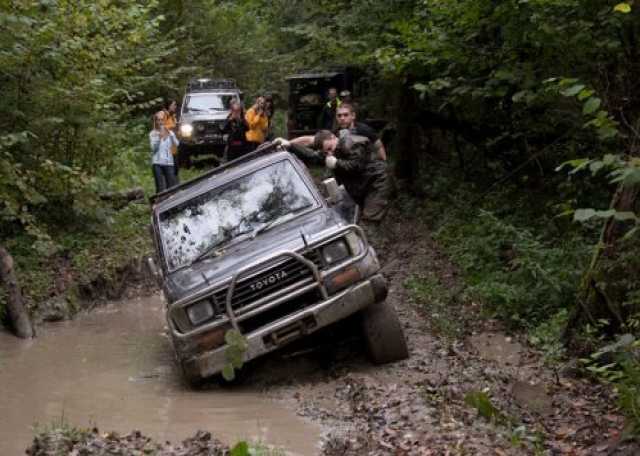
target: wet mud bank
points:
(129, 280)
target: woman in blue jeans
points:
(161, 140)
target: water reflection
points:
(114, 368)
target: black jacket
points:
(356, 168)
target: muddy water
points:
(114, 369)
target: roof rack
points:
(263, 149)
(197, 84)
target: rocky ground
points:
(474, 391)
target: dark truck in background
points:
(308, 95)
(254, 245)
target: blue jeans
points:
(164, 176)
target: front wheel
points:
(384, 334)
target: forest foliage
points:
(538, 96)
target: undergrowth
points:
(523, 263)
(507, 245)
(519, 277)
(86, 247)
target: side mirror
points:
(153, 270)
(340, 200)
(334, 194)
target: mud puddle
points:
(114, 369)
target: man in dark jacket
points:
(328, 116)
(346, 119)
(353, 162)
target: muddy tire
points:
(383, 333)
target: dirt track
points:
(418, 406)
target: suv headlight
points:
(335, 251)
(186, 129)
(199, 312)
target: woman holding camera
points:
(236, 128)
(258, 123)
(162, 141)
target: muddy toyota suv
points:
(254, 246)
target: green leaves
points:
(240, 449)
(481, 402)
(591, 105)
(234, 353)
(623, 7)
(67, 120)
(573, 90)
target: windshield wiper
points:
(216, 248)
(196, 109)
(211, 250)
(278, 220)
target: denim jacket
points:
(161, 148)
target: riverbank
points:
(93, 263)
(89, 260)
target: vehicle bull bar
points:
(318, 276)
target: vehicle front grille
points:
(287, 308)
(208, 127)
(287, 273)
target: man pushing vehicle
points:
(353, 160)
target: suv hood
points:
(288, 236)
(196, 116)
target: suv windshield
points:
(209, 102)
(245, 205)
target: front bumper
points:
(296, 325)
(206, 140)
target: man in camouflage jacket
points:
(354, 163)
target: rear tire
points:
(383, 333)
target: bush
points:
(518, 276)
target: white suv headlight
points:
(335, 251)
(186, 129)
(199, 312)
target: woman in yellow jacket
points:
(258, 123)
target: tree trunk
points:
(18, 317)
(122, 198)
(407, 165)
(599, 296)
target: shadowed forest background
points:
(515, 132)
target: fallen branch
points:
(18, 316)
(124, 195)
(122, 198)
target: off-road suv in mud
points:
(253, 245)
(205, 107)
